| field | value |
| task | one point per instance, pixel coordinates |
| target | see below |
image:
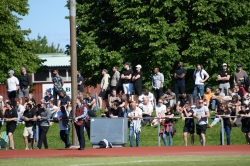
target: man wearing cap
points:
(179, 76)
(12, 86)
(126, 78)
(223, 78)
(137, 80)
(239, 75)
(103, 95)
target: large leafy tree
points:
(14, 49)
(159, 33)
(40, 45)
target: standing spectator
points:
(63, 99)
(126, 79)
(147, 94)
(80, 81)
(234, 106)
(62, 116)
(200, 76)
(24, 84)
(135, 116)
(29, 116)
(80, 115)
(239, 75)
(187, 115)
(224, 114)
(169, 98)
(115, 79)
(137, 80)
(201, 113)
(157, 83)
(58, 85)
(20, 110)
(103, 95)
(12, 87)
(91, 102)
(179, 76)
(10, 116)
(147, 110)
(245, 128)
(218, 95)
(43, 117)
(208, 95)
(48, 96)
(160, 110)
(182, 100)
(224, 77)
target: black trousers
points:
(55, 94)
(87, 127)
(64, 134)
(158, 93)
(146, 120)
(43, 130)
(80, 135)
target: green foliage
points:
(14, 49)
(160, 33)
(41, 46)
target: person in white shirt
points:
(63, 117)
(160, 112)
(53, 109)
(147, 110)
(12, 87)
(20, 110)
(147, 94)
(135, 116)
(200, 76)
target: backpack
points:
(105, 144)
(200, 74)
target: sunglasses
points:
(159, 102)
(200, 102)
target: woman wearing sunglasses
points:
(160, 112)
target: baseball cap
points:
(127, 63)
(224, 64)
(48, 90)
(138, 66)
(11, 72)
(238, 65)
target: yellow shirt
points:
(208, 96)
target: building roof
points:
(55, 59)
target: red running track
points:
(141, 151)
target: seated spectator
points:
(229, 95)
(160, 112)
(20, 110)
(169, 97)
(208, 95)
(63, 99)
(182, 100)
(53, 109)
(91, 102)
(115, 111)
(234, 107)
(147, 110)
(32, 101)
(247, 97)
(80, 95)
(147, 94)
(239, 90)
(168, 129)
(117, 98)
(48, 96)
(218, 95)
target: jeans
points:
(227, 130)
(131, 134)
(80, 135)
(198, 89)
(169, 134)
(64, 134)
(42, 137)
(214, 103)
(19, 118)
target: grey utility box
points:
(115, 130)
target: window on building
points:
(42, 76)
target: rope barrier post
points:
(222, 131)
(159, 138)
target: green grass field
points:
(149, 136)
(149, 160)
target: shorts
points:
(10, 128)
(201, 129)
(188, 129)
(28, 131)
(11, 94)
(138, 90)
(128, 88)
(24, 92)
(103, 94)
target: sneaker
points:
(27, 149)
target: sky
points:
(47, 18)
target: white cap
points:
(224, 64)
(138, 66)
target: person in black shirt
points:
(10, 116)
(179, 76)
(223, 78)
(168, 129)
(80, 81)
(48, 96)
(63, 99)
(116, 111)
(182, 100)
(126, 78)
(189, 123)
(28, 117)
(245, 128)
(24, 84)
(223, 113)
(137, 80)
